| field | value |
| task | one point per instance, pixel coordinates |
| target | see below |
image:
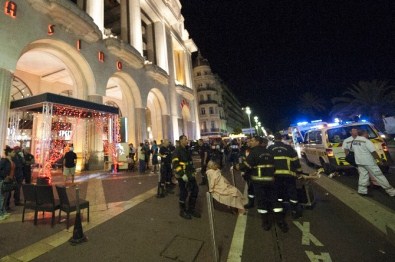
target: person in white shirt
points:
(366, 158)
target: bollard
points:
(78, 234)
(210, 208)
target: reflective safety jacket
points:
(261, 164)
(286, 159)
(182, 162)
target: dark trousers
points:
(17, 194)
(165, 173)
(266, 196)
(286, 188)
(190, 188)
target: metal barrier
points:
(211, 220)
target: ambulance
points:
(323, 146)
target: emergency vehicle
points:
(323, 146)
(298, 130)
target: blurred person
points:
(155, 152)
(165, 185)
(7, 170)
(185, 173)
(367, 158)
(27, 167)
(141, 157)
(69, 164)
(246, 173)
(204, 153)
(19, 162)
(222, 190)
(147, 153)
(234, 149)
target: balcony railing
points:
(211, 101)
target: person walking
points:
(141, 158)
(185, 174)
(366, 159)
(69, 164)
(7, 169)
(261, 163)
(288, 168)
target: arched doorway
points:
(157, 125)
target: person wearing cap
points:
(69, 163)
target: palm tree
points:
(372, 99)
(311, 105)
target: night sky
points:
(270, 52)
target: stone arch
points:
(84, 83)
(157, 119)
(187, 128)
(128, 97)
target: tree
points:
(311, 105)
(367, 99)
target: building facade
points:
(220, 113)
(131, 54)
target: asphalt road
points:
(151, 230)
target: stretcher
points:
(305, 190)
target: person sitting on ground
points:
(222, 190)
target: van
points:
(323, 147)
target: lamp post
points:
(259, 127)
(256, 124)
(248, 111)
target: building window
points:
(200, 85)
(199, 74)
(203, 111)
(201, 97)
(211, 109)
(212, 124)
(208, 97)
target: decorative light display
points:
(64, 122)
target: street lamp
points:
(248, 111)
(259, 127)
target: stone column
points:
(136, 39)
(165, 126)
(124, 21)
(95, 140)
(161, 47)
(95, 9)
(141, 125)
(5, 92)
(173, 98)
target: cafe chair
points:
(67, 205)
(29, 195)
(46, 201)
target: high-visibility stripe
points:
(293, 201)
(262, 211)
(262, 178)
(175, 159)
(284, 172)
(263, 166)
(251, 196)
(278, 210)
(280, 200)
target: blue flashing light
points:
(337, 120)
(302, 123)
(363, 120)
(316, 121)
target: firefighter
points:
(261, 163)
(246, 173)
(288, 169)
(204, 152)
(165, 185)
(185, 174)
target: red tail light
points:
(385, 148)
(329, 152)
